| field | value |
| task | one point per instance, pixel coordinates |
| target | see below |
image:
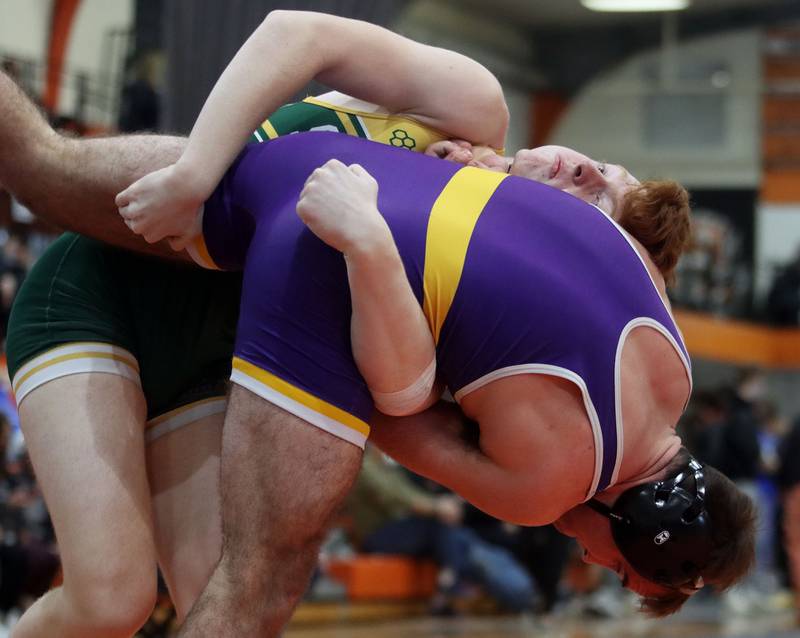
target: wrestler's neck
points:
(649, 465)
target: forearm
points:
(276, 61)
(432, 445)
(291, 48)
(79, 179)
(72, 182)
(391, 340)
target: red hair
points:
(657, 213)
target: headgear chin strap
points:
(663, 530)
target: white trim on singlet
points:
(78, 357)
(564, 373)
(686, 364)
(182, 416)
(364, 127)
(638, 322)
(314, 417)
(553, 371)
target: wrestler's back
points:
(538, 263)
(526, 278)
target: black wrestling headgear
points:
(663, 529)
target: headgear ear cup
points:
(663, 529)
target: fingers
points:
(179, 243)
(123, 198)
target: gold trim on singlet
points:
(452, 221)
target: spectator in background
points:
(543, 551)
(28, 561)
(740, 454)
(783, 299)
(394, 515)
(140, 106)
(704, 431)
(741, 460)
(788, 477)
(14, 265)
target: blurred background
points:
(708, 95)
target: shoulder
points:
(536, 427)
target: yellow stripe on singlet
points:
(452, 221)
(201, 253)
(348, 125)
(76, 355)
(301, 396)
(269, 130)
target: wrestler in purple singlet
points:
(548, 284)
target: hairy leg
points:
(183, 467)
(72, 182)
(85, 436)
(282, 481)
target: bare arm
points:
(391, 340)
(438, 87)
(432, 445)
(357, 58)
(72, 182)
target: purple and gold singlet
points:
(514, 277)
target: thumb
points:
(179, 243)
(123, 198)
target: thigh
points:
(183, 466)
(791, 528)
(282, 478)
(84, 434)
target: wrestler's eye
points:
(602, 167)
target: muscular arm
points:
(280, 57)
(391, 341)
(357, 58)
(432, 445)
(72, 182)
(535, 458)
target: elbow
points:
(413, 399)
(294, 23)
(280, 17)
(393, 405)
(495, 111)
(283, 23)
(502, 114)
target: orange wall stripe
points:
(738, 342)
(63, 17)
(781, 186)
(547, 107)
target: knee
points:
(116, 602)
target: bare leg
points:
(85, 436)
(282, 481)
(791, 530)
(183, 467)
(72, 182)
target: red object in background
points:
(378, 577)
(547, 108)
(62, 19)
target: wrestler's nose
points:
(587, 174)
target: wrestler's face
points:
(593, 533)
(594, 182)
